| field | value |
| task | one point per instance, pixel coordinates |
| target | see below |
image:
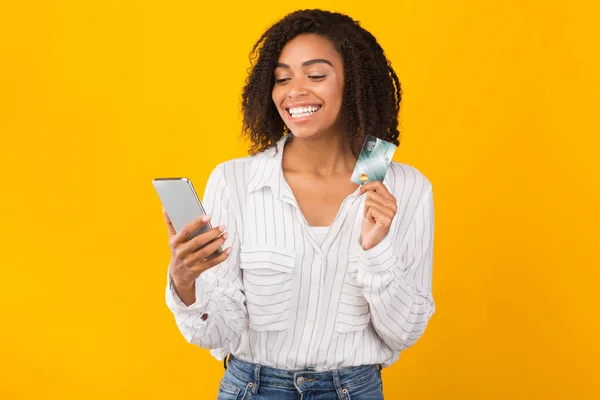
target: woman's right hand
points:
(187, 262)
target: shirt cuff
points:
(378, 258)
(174, 299)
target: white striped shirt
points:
(284, 300)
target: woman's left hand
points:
(380, 209)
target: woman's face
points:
(309, 82)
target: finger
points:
(384, 210)
(380, 217)
(170, 226)
(187, 230)
(379, 187)
(367, 186)
(376, 186)
(216, 260)
(384, 201)
(201, 240)
(206, 251)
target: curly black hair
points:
(372, 92)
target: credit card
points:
(373, 161)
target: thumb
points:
(170, 226)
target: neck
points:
(324, 156)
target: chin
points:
(306, 132)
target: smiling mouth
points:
(301, 112)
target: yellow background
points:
(500, 111)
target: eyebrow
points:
(306, 63)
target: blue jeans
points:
(244, 380)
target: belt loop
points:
(256, 379)
(337, 384)
(225, 362)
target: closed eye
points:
(312, 77)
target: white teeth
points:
(301, 115)
(298, 112)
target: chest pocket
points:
(354, 313)
(267, 276)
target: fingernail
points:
(228, 250)
(225, 235)
(205, 218)
(222, 228)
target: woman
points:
(322, 281)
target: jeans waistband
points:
(301, 380)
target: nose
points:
(297, 89)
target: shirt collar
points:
(265, 169)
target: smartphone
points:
(182, 204)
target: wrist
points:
(185, 291)
(183, 284)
